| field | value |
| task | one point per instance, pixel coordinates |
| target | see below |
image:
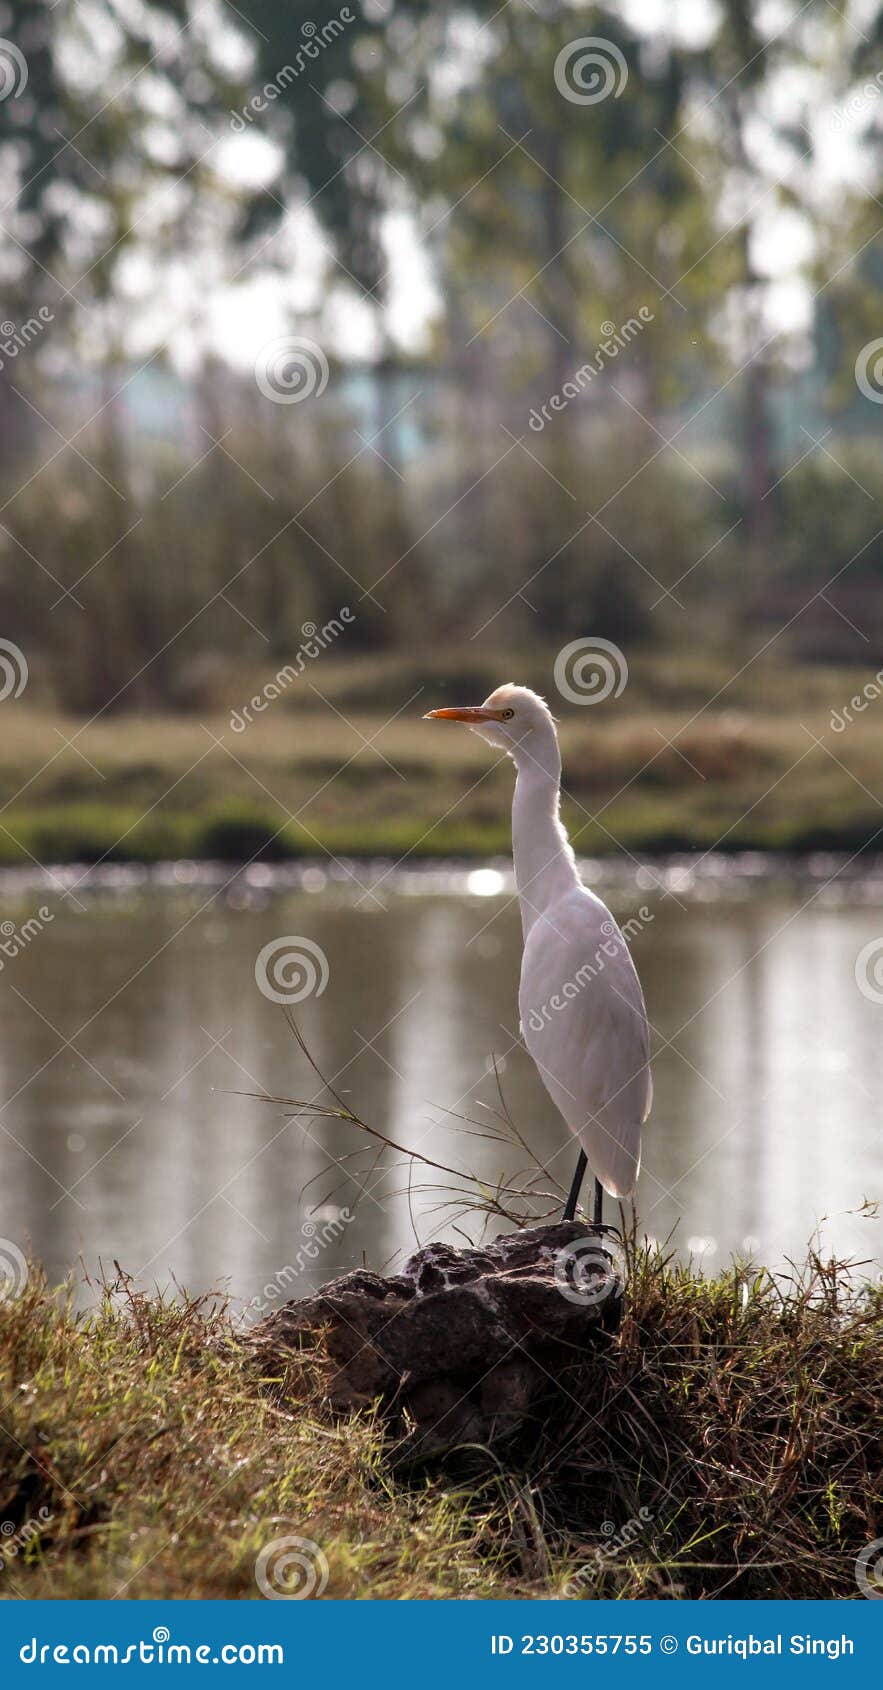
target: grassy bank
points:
(325, 769)
(728, 1442)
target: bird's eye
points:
(507, 715)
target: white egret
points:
(582, 1010)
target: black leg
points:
(573, 1194)
(599, 1203)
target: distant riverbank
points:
(686, 759)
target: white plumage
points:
(582, 1010)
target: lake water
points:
(131, 1018)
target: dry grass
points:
(744, 1415)
(727, 1442)
(163, 1467)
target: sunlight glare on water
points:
(485, 882)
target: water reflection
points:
(133, 1018)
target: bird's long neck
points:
(544, 862)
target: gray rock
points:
(463, 1347)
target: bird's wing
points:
(584, 1023)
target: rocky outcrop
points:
(463, 1347)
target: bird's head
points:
(512, 717)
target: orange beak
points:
(468, 713)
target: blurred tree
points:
(315, 65)
(849, 261)
(553, 187)
(109, 115)
(566, 171)
(473, 121)
(735, 68)
(552, 216)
